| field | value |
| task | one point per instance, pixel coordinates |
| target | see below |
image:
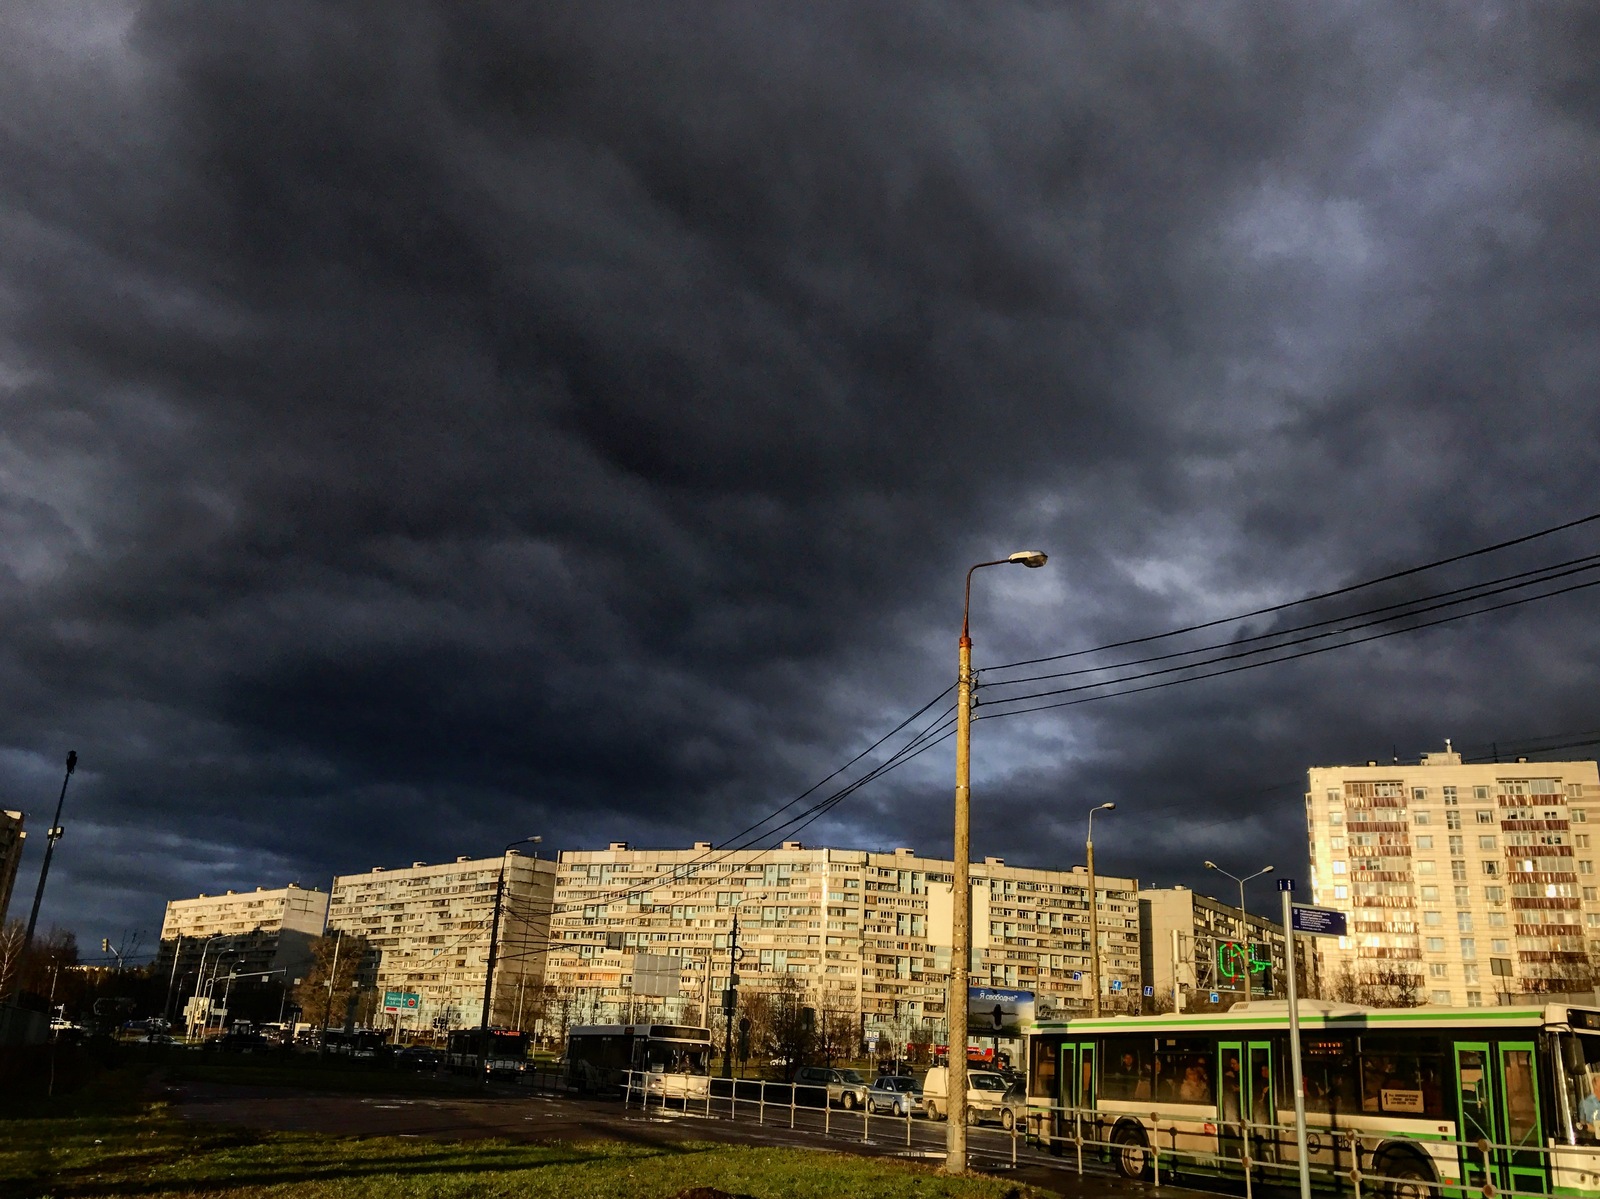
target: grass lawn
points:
(152, 1154)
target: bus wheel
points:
(1412, 1177)
(1130, 1153)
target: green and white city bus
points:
(1422, 1101)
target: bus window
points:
(1329, 1067)
(1042, 1067)
(1183, 1070)
(1125, 1069)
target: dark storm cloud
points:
(426, 426)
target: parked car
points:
(897, 1094)
(985, 1094)
(844, 1087)
(242, 1042)
(1014, 1106)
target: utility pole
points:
(50, 839)
(327, 1008)
(730, 998)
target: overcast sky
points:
(424, 428)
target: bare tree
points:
(12, 936)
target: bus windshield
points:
(665, 1057)
(1580, 1070)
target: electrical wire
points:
(1310, 599)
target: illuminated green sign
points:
(1237, 961)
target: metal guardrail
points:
(766, 1101)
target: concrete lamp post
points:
(961, 890)
(1094, 910)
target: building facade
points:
(1194, 947)
(1463, 884)
(242, 932)
(11, 838)
(428, 930)
(864, 934)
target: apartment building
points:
(1463, 884)
(428, 928)
(1206, 947)
(243, 932)
(865, 932)
(12, 837)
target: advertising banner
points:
(996, 1012)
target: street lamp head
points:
(1267, 870)
(1211, 866)
(1029, 558)
(1106, 807)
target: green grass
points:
(152, 1155)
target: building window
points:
(1419, 794)
(1432, 919)
(1469, 947)
(1480, 793)
(1463, 897)
(1336, 842)
(1435, 944)
(1452, 820)
(1449, 797)
(1437, 969)
(1341, 892)
(1421, 818)
(1487, 843)
(1457, 846)
(1425, 866)
(1474, 998)
(1458, 871)
(1574, 790)
(1424, 842)
(1440, 997)
(1469, 972)
(1464, 922)
(1483, 817)
(1591, 895)
(1335, 818)
(1338, 867)
(1491, 869)
(1500, 946)
(1497, 919)
(1579, 840)
(1585, 867)
(1495, 894)
(1579, 816)
(1430, 894)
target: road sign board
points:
(1077, 976)
(1116, 984)
(1318, 922)
(1149, 991)
(1215, 998)
(400, 1001)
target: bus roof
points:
(1324, 1015)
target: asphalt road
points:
(520, 1116)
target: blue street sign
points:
(1215, 998)
(1149, 991)
(1116, 984)
(1286, 884)
(1077, 976)
(1318, 922)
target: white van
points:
(986, 1093)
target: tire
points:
(1413, 1177)
(932, 1109)
(1008, 1119)
(974, 1117)
(1130, 1153)
(848, 1101)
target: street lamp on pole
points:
(961, 888)
(494, 930)
(50, 838)
(1244, 923)
(1094, 910)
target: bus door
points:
(1261, 1110)
(1228, 1071)
(1522, 1166)
(1477, 1112)
(1078, 1086)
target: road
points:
(520, 1116)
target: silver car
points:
(844, 1087)
(895, 1094)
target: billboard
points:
(657, 974)
(997, 1012)
(395, 1002)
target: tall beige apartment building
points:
(12, 837)
(1475, 882)
(862, 932)
(428, 930)
(1194, 946)
(243, 932)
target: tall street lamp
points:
(494, 931)
(1094, 911)
(1244, 923)
(955, 1161)
(50, 839)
